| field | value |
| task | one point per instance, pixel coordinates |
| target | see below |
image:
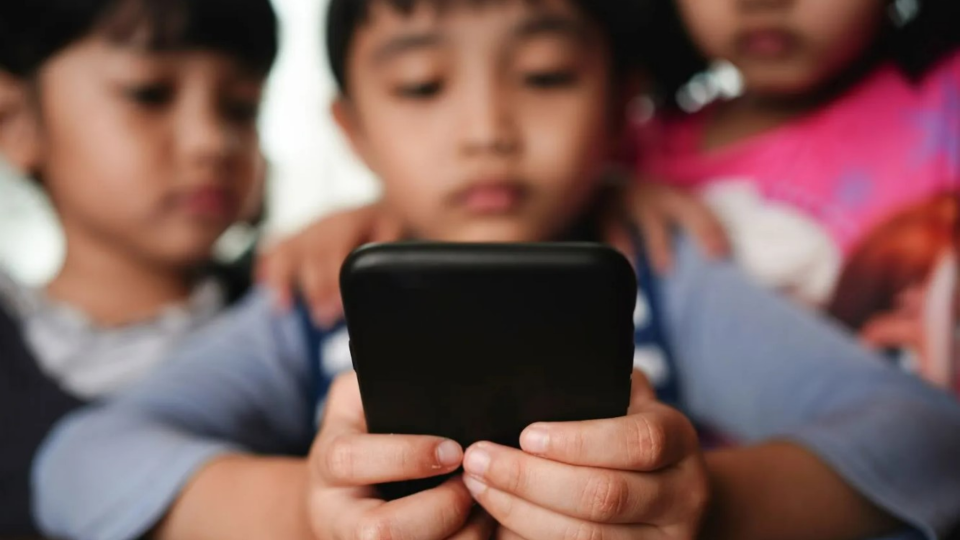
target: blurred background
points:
(312, 171)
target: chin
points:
(507, 232)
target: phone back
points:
(477, 342)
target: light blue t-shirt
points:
(745, 363)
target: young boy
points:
(492, 121)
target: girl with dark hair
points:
(138, 119)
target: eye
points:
(550, 79)
(420, 91)
(150, 95)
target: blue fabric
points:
(745, 362)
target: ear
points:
(20, 141)
(346, 117)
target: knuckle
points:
(583, 531)
(605, 497)
(572, 443)
(376, 527)
(652, 439)
(339, 459)
(514, 475)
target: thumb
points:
(344, 407)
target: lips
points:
(491, 198)
(767, 43)
(208, 202)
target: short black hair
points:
(622, 21)
(915, 47)
(34, 31)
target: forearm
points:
(782, 491)
(238, 498)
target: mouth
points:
(208, 202)
(767, 43)
(491, 198)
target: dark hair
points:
(916, 47)
(621, 20)
(34, 31)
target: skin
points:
(642, 476)
(510, 106)
(148, 158)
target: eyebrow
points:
(406, 43)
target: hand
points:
(638, 477)
(346, 461)
(658, 208)
(310, 261)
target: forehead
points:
(467, 18)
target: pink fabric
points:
(886, 143)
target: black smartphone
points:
(476, 342)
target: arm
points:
(242, 497)
(748, 499)
(241, 385)
(760, 369)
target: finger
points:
(504, 533)
(655, 438)
(617, 235)
(656, 235)
(706, 229)
(328, 309)
(532, 522)
(434, 514)
(311, 285)
(344, 407)
(346, 456)
(480, 526)
(275, 273)
(589, 494)
(642, 392)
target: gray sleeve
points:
(756, 367)
(111, 471)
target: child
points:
(515, 107)
(849, 114)
(840, 126)
(138, 119)
(139, 123)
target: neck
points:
(755, 113)
(113, 287)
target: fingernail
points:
(449, 454)
(477, 462)
(474, 486)
(535, 441)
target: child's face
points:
(485, 122)
(151, 153)
(785, 47)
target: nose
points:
(489, 126)
(207, 138)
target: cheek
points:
(710, 24)
(842, 31)
(110, 156)
(567, 140)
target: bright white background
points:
(312, 169)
